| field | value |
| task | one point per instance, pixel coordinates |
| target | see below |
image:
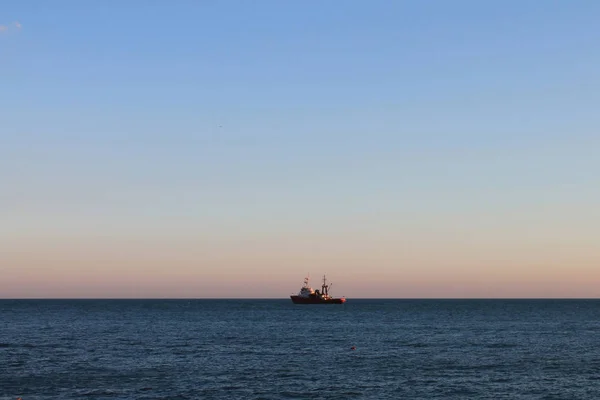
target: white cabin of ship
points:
(306, 290)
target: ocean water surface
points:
(273, 349)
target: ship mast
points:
(325, 287)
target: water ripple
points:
(275, 350)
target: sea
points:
(273, 349)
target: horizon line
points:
(285, 299)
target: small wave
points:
(23, 345)
(176, 346)
(416, 345)
(351, 393)
(297, 395)
(501, 345)
(287, 375)
(97, 392)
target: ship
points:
(307, 295)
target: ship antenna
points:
(306, 280)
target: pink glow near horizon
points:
(143, 270)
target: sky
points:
(201, 149)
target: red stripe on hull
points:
(315, 300)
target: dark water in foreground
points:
(272, 349)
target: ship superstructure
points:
(308, 295)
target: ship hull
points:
(316, 300)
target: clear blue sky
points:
(408, 148)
